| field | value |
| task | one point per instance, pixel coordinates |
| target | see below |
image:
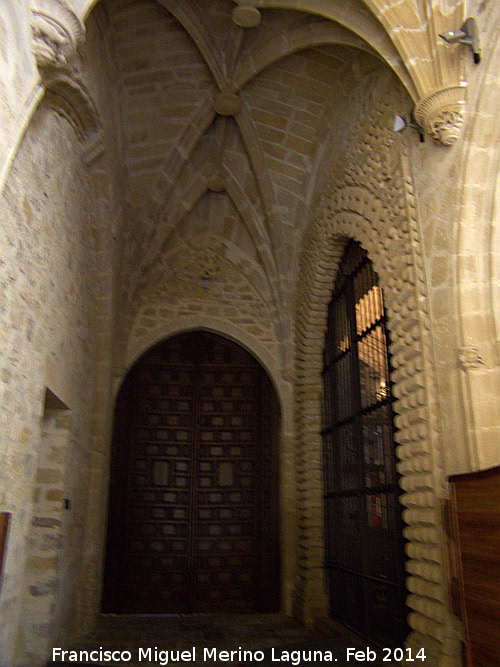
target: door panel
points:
(193, 505)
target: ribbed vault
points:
(254, 117)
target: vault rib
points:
(262, 177)
(169, 175)
(198, 31)
(314, 34)
(190, 188)
(181, 153)
(360, 20)
(257, 161)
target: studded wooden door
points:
(193, 504)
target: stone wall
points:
(458, 211)
(61, 224)
(48, 324)
(20, 89)
(215, 244)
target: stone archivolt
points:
(355, 210)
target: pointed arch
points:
(355, 213)
(317, 34)
(215, 445)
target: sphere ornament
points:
(216, 183)
(227, 104)
(246, 16)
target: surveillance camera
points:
(453, 36)
(468, 35)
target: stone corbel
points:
(442, 114)
(56, 32)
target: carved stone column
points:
(442, 114)
(56, 31)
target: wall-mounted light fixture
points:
(469, 35)
(400, 123)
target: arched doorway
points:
(193, 514)
(363, 524)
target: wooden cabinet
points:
(475, 524)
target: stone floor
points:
(266, 640)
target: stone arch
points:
(355, 213)
(198, 396)
(216, 325)
(309, 36)
(284, 392)
(478, 266)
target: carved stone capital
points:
(442, 114)
(56, 32)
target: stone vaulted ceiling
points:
(229, 130)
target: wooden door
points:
(475, 529)
(193, 506)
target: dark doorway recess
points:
(193, 514)
(363, 524)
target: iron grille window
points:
(363, 526)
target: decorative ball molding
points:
(442, 114)
(56, 32)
